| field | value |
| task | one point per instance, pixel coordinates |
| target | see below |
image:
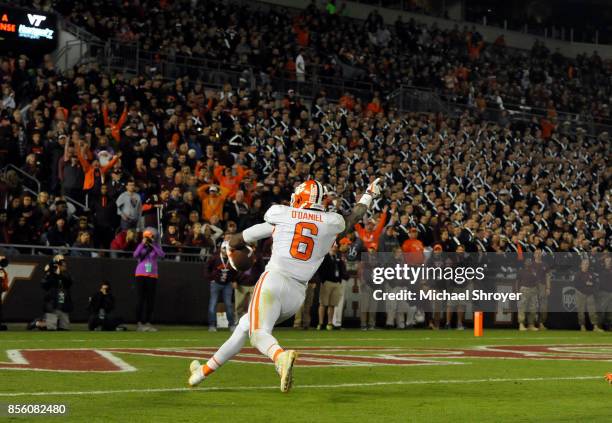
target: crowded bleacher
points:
(459, 62)
(114, 153)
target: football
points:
(242, 259)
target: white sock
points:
(232, 346)
(265, 343)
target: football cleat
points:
(195, 368)
(284, 367)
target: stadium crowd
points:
(271, 42)
(201, 163)
(214, 160)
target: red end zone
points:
(106, 360)
(65, 360)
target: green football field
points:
(341, 376)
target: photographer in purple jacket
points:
(147, 253)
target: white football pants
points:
(275, 299)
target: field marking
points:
(344, 361)
(116, 361)
(336, 386)
(16, 357)
(322, 339)
(435, 338)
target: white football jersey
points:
(301, 239)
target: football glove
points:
(371, 193)
(374, 188)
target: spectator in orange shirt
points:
(224, 176)
(213, 201)
(374, 106)
(113, 123)
(474, 48)
(302, 35)
(346, 101)
(370, 234)
(413, 247)
(94, 173)
(344, 243)
(548, 126)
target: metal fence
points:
(129, 58)
(32, 185)
(417, 99)
(189, 255)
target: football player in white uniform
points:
(302, 235)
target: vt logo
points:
(36, 20)
(18, 271)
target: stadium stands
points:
(203, 157)
(458, 63)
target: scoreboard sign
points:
(27, 26)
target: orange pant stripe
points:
(256, 303)
(250, 312)
(254, 312)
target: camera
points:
(51, 267)
(55, 264)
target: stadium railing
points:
(409, 98)
(578, 33)
(171, 254)
(129, 58)
(32, 185)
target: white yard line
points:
(332, 386)
(435, 338)
(116, 361)
(321, 339)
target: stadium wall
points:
(490, 33)
(70, 50)
(182, 291)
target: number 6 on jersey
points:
(302, 245)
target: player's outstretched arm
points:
(362, 206)
(251, 235)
